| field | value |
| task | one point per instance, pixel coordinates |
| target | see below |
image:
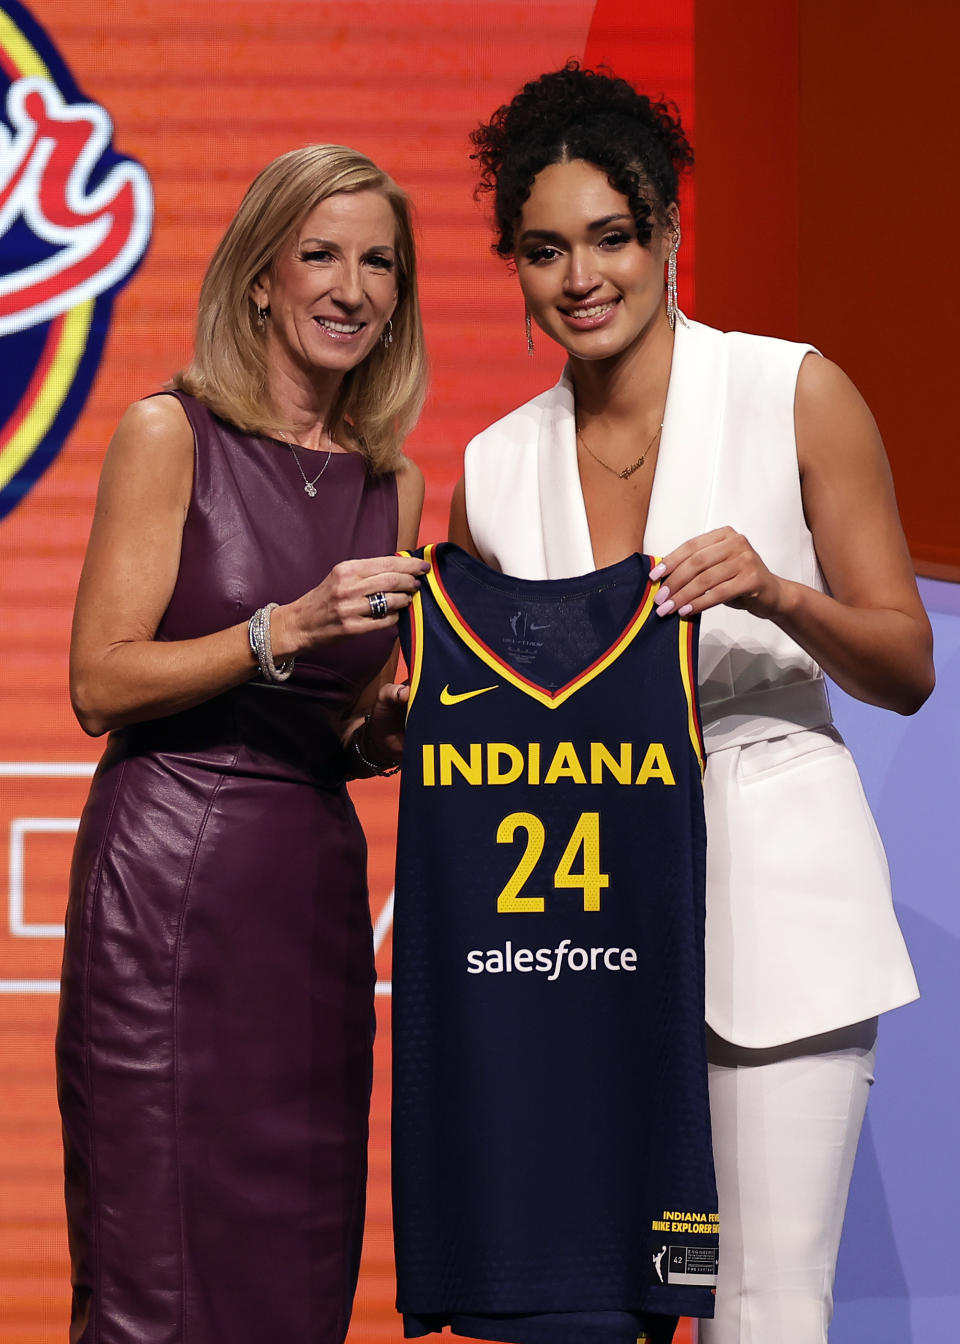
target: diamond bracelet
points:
(382, 770)
(258, 632)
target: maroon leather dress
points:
(216, 1028)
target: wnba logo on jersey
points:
(75, 220)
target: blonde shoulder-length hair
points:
(380, 399)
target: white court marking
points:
(383, 925)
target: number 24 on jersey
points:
(584, 842)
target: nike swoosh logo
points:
(447, 697)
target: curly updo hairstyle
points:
(582, 114)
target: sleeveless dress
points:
(215, 1041)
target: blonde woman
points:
(233, 633)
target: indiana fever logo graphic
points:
(75, 221)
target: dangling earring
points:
(386, 336)
(262, 317)
(529, 330)
(673, 311)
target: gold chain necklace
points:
(627, 472)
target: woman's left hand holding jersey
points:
(869, 632)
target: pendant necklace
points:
(628, 471)
(309, 487)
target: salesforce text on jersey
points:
(550, 961)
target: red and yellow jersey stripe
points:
(551, 699)
(689, 631)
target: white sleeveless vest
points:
(801, 933)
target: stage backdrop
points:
(128, 133)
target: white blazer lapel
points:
(566, 534)
(689, 446)
(686, 464)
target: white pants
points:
(786, 1122)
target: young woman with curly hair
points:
(754, 468)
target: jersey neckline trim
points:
(551, 699)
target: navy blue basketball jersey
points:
(553, 1173)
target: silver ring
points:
(378, 606)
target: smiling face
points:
(332, 287)
(587, 281)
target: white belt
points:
(757, 716)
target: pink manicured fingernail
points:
(662, 594)
(686, 609)
(665, 608)
(658, 571)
